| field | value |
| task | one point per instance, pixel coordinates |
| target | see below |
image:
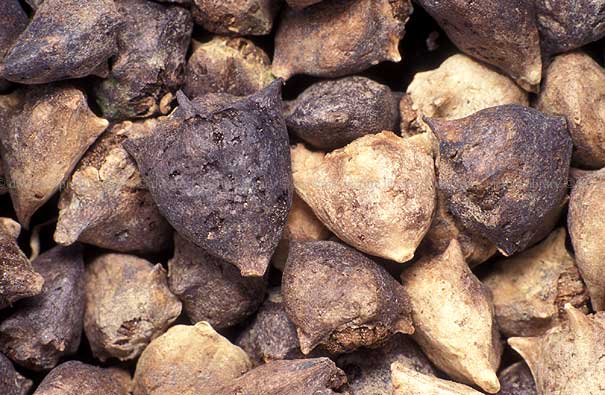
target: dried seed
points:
(105, 202)
(18, 279)
(210, 288)
(302, 376)
(167, 364)
(454, 318)
(231, 65)
(339, 37)
(517, 380)
(331, 114)
(47, 327)
(339, 298)
(221, 175)
(153, 42)
(128, 304)
(65, 39)
(586, 230)
(42, 140)
(407, 381)
(530, 289)
(568, 359)
(298, 4)
(503, 171)
(77, 378)
(14, 21)
(11, 382)
(239, 17)
(376, 194)
(369, 370)
(574, 87)
(504, 35)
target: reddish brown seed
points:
(77, 378)
(238, 17)
(298, 4)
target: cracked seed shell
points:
(77, 378)
(237, 17)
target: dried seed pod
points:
(18, 279)
(407, 381)
(105, 202)
(585, 228)
(231, 65)
(530, 289)
(517, 380)
(331, 114)
(460, 87)
(503, 34)
(221, 175)
(166, 365)
(11, 382)
(566, 25)
(65, 39)
(454, 318)
(14, 21)
(77, 378)
(295, 377)
(574, 87)
(339, 37)
(369, 370)
(568, 359)
(299, 4)
(239, 17)
(210, 288)
(376, 194)
(150, 64)
(47, 327)
(339, 298)
(503, 171)
(271, 336)
(49, 131)
(128, 304)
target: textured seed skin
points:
(331, 114)
(150, 63)
(407, 381)
(517, 380)
(503, 34)
(339, 298)
(77, 378)
(65, 39)
(503, 171)
(339, 37)
(13, 20)
(237, 17)
(296, 377)
(298, 4)
(220, 174)
(212, 289)
(47, 327)
(105, 202)
(11, 382)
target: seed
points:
(14, 21)
(77, 378)
(11, 382)
(407, 381)
(517, 380)
(239, 17)
(298, 4)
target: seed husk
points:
(237, 17)
(14, 21)
(357, 304)
(11, 382)
(45, 328)
(221, 175)
(105, 202)
(331, 114)
(128, 304)
(339, 37)
(454, 318)
(65, 39)
(503, 171)
(517, 380)
(77, 378)
(407, 381)
(212, 289)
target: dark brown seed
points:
(231, 65)
(211, 289)
(339, 298)
(11, 382)
(293, 377)
(18, 279)
(13, 20)
(238, 17)
(150, 64)
(221, 175)
(503, 34)
(503, 172)
(128, 304)
(298, 4)
(339, 37)
(331, 114)
(105, 202)
(65, 39)
(517, 380)
(77, 378)
(47, 327)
